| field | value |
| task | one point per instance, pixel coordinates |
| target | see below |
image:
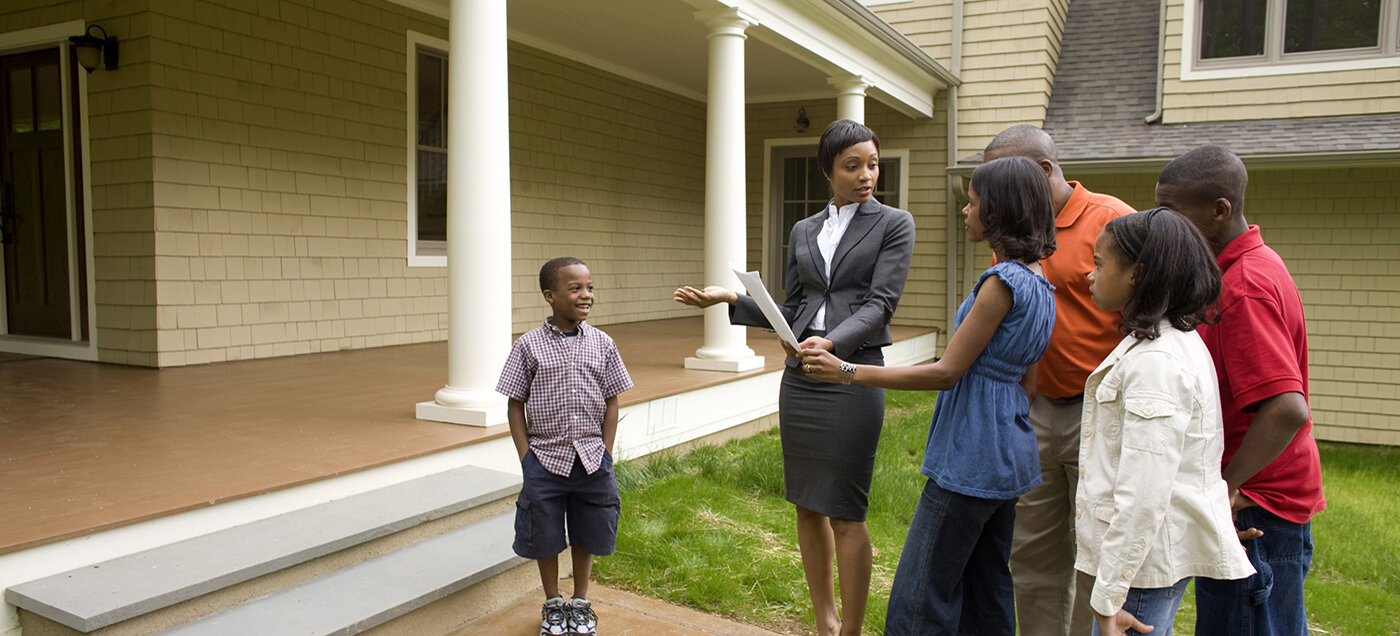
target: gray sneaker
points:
(582, 620)
(554, 619)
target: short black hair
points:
(549, 273)
(1016, 207)
(840, 135)
(1206, 173)
(1024, 140)
(1176, 273)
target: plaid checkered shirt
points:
(564, 382)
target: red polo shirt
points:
(1260, 347)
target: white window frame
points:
(1274, 61)
(438, 258)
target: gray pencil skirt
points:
(829, 434)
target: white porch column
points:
(478, 213)
(726, 347)
(850, 97)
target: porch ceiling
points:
(796, 47)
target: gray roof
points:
(1106, 83)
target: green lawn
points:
(711, 530)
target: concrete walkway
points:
(619, 614)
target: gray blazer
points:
(868, 272)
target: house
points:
(255, 194)
(1310, 99)
(267, 183)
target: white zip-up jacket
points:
(1152, 508)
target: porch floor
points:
(88, 447)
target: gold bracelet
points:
(848, 372)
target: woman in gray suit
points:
(846, 268)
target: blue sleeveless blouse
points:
(981, 443)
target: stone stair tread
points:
(371, 593)
(106, 593)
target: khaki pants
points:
(1043, 546)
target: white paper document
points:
(754, 284)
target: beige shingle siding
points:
(1313, 94)
(265, 212)
(120, 131)
(1008, 58)
(927, 23)
(610, 171)
(278, 182)
(1337, 230)
(1008, 65)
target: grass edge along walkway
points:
(710, 529)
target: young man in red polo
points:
(1260, 347)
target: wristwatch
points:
(848, 372)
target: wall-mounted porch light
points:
(93, 50)
(801, 123)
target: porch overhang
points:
(794, 53)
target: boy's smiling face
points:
(572, 296)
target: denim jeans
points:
(952, 576)
(1154, 606)
(1271, 601)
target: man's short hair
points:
(1207, 173)
(1024, 140)
(549, 273)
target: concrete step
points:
(263, 556)
(372, 593)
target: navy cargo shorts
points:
(589, 503)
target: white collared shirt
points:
(837, 220)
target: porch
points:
(90, 447)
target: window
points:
(1268, 32)
(427, 151)
(801, 190)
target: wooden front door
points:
(37, 237)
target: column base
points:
(466, 416)
(738, 365)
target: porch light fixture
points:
(802, 122)
(93, 50)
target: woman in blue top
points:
(981, 454)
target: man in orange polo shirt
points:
(1042, 549)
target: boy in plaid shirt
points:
(563, 379)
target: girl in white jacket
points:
(1152, 510)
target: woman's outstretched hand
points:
(702, 298)
(820, 364)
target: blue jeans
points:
(952, 576)
(1271, 601)
(1155, 606)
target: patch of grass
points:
(711, 530)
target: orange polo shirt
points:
(1083, 335)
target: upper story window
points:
(1270, 32)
